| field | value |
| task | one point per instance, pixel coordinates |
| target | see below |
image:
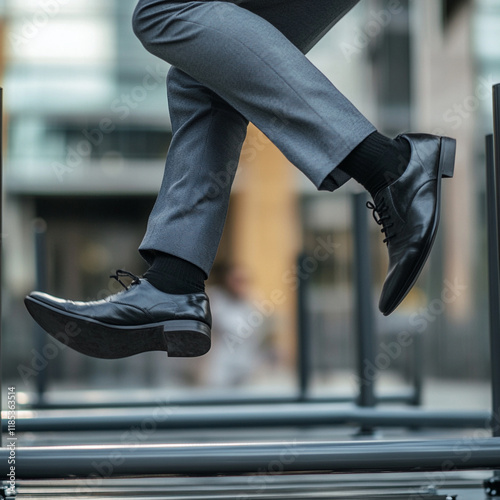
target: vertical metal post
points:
(363, 303)
(418, 372)
(1, 261)
(40, 231)
(493, 209)
(303, 337)
(493, 267)
(495, 334)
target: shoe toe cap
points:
(399, 281)
(45, 298)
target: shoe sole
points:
(445, 169)
(179, 338)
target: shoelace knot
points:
(120, 273)
(383, 219)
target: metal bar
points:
(164, 417)
(363, 303)
(495, 334)
(40, 232)
(103, 401)
(253, 458)
(493, 267)
(303, 334)
(1, 254)
(418, 370)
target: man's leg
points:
(240, 67)
(190, 211)
(251, 65)
(253, 73)
(258, 70)
(251, 69)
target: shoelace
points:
(384, 217)
(120, 273)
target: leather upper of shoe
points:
(140, 304)
(407, 210)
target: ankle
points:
(377, 161)
(174, 275)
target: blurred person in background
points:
(238, 329)
(235, 62)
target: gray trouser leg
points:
(190, 211)
(234, 62)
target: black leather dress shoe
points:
(139, 319)
(408, 209)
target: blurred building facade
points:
(88, 131)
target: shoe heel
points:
(447, 157)
(186, 338)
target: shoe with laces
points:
(140, 318)
(408, 211)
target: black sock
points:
(171, 274)
(377, 161)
